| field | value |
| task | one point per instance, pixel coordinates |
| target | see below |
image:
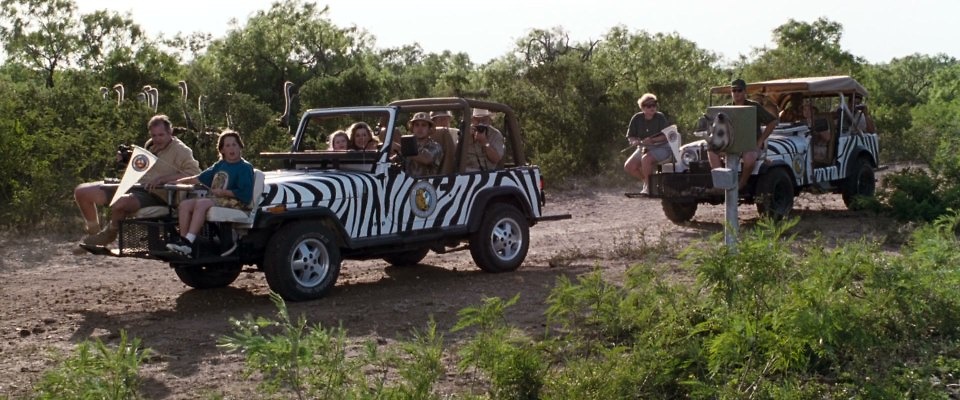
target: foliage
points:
(96, 371)
(315, 362)
(915, 194)
(507, 356)
(574, 98)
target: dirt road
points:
(51, 298)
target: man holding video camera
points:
(175, 160)
(484, 145)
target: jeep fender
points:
(272, 222)
(860, 151)
(765, 168)
(485, 198)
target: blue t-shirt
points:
(236, 177)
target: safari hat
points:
(480, 113)
(420, 116)
(434, 114)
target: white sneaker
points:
(183, 249)
(645, 190)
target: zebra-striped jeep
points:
(830, 150)
(324, 206)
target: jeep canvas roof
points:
(813, 86)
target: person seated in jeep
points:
(361, 137)
(738, 92)
(429, 153)
(174, 160)
(644, 131)
(230, 182)
(820, 135)
(484, 145)
(793, 112)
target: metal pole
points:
(732, 200)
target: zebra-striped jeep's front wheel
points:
(502, 241)
(302, 261)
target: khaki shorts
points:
(144, 197)
(660, 152)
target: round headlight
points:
(690, 156)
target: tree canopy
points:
(574, 98)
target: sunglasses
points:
(736, 90)
(480, 128)
(650, 105)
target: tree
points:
(802, 49)
(292, 41)
(42, 34)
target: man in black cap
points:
(738, 91)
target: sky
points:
(877, 30)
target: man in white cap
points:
(484, 145)
(441, 120)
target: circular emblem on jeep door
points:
(140, 163)
(423, 199)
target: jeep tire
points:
(208, 276)
(406, 258)
(502, 241)
(860, 182)
(678, 212)
(774, 196)
(302, 261)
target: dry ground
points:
(51, 298)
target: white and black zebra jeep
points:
(321, 207)
(794, 159)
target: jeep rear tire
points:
(208, 276)
(407, 258)
(775, 194)
(860, 182)
(302, 261)
(678, 212)
(502, 241)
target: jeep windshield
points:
(313, 145)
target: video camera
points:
(124, 151)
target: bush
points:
(96, 371)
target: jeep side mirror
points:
(408, 146)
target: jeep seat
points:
(443, 138)
(226, 214)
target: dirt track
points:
(51, 298)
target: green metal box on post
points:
(743, 119)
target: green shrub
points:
(508, 357)
(915, 194)
(314, 362)
(96, 371)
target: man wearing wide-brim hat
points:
(429, 153)
(484, 145)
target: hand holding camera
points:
(123, 155)
(480, 134)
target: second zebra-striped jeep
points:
(832, 149)
(323, 206)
